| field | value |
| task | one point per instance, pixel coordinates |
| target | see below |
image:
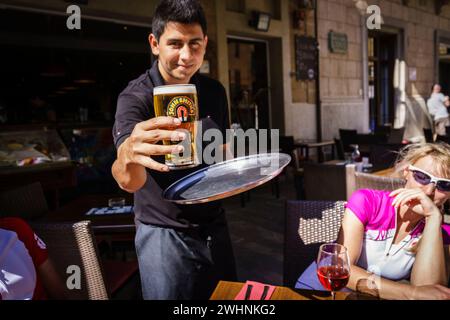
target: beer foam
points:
(175, 89)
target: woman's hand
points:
(416, 200)
(429, 292)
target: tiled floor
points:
(257, 232)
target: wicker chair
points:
(371, 181)
(308, 224)
(74, 245)
(359, 180)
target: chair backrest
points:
(308, 224)
(324, 181)
(339, 149)
(73, 244)
(297, 159)
(385, 129)
(445, 139)
(362, 180)
(428, 133)
(383, 156)
(27, 202)
(287, 144)
(396, 136)
(348, 137)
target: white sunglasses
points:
(425, 178)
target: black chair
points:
(308, 224)
(396, 136)
(287, 144)
(368, 138)
(447, 131)
(383, 130)
(27, 202)
(445, 139)
(339, 149)
(383, 156)
(324, 181)
(428, 133)
(348, 137)
(299, 174)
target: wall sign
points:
(305, 58)
(337, 42)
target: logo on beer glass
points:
(181, 108)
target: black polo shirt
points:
(135, 104)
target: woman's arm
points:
(351, 236)
(430, 266)
(51, 281)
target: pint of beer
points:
(179, 101)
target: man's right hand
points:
(142, 143)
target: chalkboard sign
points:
(305, 58)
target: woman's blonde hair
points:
(439, 151)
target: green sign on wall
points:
(337, 42)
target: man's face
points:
(437, 88)
(180, 50)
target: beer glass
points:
(179, 101)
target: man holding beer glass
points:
(183, 251)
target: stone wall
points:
(341, 74)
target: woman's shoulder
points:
(372, 207)
(370, 197)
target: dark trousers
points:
(184, 265)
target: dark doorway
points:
(444, 65)
(249, 86)
(382, 49)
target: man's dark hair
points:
(181, 11)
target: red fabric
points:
(256, 291)
(35, 246)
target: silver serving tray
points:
(226, 179)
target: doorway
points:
(249, 83)
(444, 65)
(382, 52)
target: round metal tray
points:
(226, 179)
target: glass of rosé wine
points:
(333, 268)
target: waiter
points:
(183, 251)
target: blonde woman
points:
(397, 242)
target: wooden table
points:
(228, 291)
(305, 145)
